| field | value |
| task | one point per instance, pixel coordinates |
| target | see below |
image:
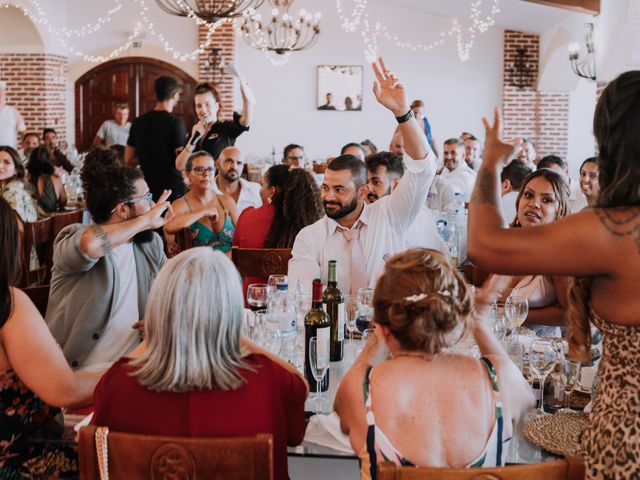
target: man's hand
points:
(389, 91)
(154, 216)
(496, 151)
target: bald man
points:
(228, 180)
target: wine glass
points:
(516, 309)
(500, 323)
(543, 356)
(351, 314)
(265, 334)
(569, 374)
(319, 362)
(275, 280)
(364, 301)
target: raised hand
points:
(388, 90)
(496, 150)
(154, 216)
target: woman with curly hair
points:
(600, 246)
(47, 186)
(290, 202)
(395, 401)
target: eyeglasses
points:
(147, 197)
(202, 170)
(294, 158)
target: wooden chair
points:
(475, 275)
(571, 468)
(137, 457)
(261, 262)
(38, 234)
(62, 219)
(39, 295)
(184, 239)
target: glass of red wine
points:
(364, 301)
(257, 297)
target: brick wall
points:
(37, 88)
(540, 116)
(223, 38)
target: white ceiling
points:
(514, 14)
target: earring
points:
(269, 200)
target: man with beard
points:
(228, 181)
(359, 236)
(384, 171)
(102, 273)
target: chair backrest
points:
(571, 468)
(62, 219)
(38, 234)
(136, 457)
(261, 262)
(184, 239)
(475, 275)
(39, 295)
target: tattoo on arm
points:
(621, 222)
(485, 190)
(105, 244)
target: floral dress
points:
(21, 414)
(19, 199)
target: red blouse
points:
(251, 232)
(271, 401)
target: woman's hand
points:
(496, 151)
(389, 91)
(198, 129)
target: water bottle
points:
(456, 216)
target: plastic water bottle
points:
(281, 311)
(456, 216)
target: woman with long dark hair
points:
(601, 248)
(34, 375)
(12, 186)
(47, 186)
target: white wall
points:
(456, 94)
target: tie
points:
(358, 273)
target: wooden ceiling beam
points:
(585, 6)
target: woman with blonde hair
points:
(395, 402)
(196, 365)
(600, 246)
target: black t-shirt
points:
(155, 135)
(222, 135)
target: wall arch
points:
(18, 33)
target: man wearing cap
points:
(11, 122)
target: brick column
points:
(36, 86)
(223, 38)
(539, 116)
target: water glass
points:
(319, 362)
(275, 280)
(351, 315)
(569, 374)
(515, 350)
(265, 334)
(500, 323)
(257, 296)
(543, 356)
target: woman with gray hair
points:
(197, 376)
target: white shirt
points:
(385, 226)
(461, 179)
(423, 232)
(509, 209)
(249, 194)
(9, 126)
(114, 134)
(577, 199)
(118, 338)
(440, 194)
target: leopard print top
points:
(612, 440)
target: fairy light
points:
(144, 24)
(371, 32)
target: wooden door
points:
(128, 80)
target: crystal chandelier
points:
(208, 10)
(283, 34)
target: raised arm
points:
(559, 248)
(185, 220)
(245, 115)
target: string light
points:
(360, 16)
(144, 24)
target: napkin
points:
(83, 423)
(325, 430)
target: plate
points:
(580, 389)
(558, 433)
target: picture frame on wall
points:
(339, 88)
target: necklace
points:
(418, 355)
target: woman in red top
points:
(197, 377)
(290, 202)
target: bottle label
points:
(324, 341)
(341, 318)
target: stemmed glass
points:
(543, 356)
(500, 323)
(516, 310)
(319, 362)
(257, 296)
(364, 300)
(275, 280)
(569, 374)
(351, 314)
(265, 335)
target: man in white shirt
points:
(472, 153)
(512, 178)
(30, 141)
(359, 236)
(456, 172)
(244, 193)
(11, 122)
(116, 131)
(384, 171)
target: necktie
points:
(358, 272)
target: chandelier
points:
(208, 10)
(585, 68)
(284, 33)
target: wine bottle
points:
(333, 302)
(316, 324)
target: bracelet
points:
(406, 117)
(190, 148)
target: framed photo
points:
(339, 87)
